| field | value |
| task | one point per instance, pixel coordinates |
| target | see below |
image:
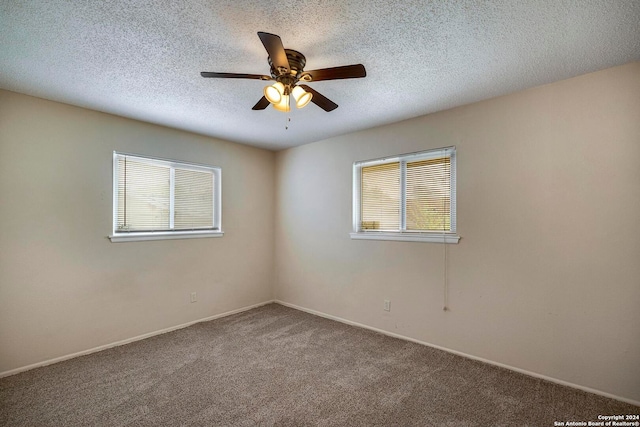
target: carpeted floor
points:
(278, 366)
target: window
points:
(410, 197)
(163, 199)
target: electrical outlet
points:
(387, 305)
(194, 297)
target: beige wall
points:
(64, 287)
(546, 277)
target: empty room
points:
(299, 213)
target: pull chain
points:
(286, 126)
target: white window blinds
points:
(153, 195)
(143, 196)
(428, 191)
(194, 196)
(381, 197)
(412, 193)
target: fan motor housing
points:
(297, 61)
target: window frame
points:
(435, 236)
(129, 236)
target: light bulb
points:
(301, 96)
(283, 105)
(274, 92)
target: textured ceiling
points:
(142, 59)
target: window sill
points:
(406, 237)
(140, 236)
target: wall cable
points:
(445, 299)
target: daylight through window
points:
(154, 197)
(409, 196)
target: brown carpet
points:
(277, 366)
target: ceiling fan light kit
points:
(274, 93)
(283, 105)
(301, 96)
(287, 69)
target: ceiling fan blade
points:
(236, 76)
(320, 100)
(335, 73)
(262, 104)
(275, 49)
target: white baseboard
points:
(459, 353)
(128, 340)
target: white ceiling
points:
(142, 59)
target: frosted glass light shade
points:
(301, 96)
(274, 92)
(283, 105)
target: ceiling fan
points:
(287, 69)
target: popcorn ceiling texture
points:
(142, 59)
